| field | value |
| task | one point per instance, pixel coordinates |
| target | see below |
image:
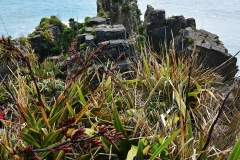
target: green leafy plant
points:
(190, 40)
(126, 8)
(87, 20)
(83, 46)
(166, 114)
(217, 41)
(103, 14)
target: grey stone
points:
(157, 36)
(114, 49)
(97, 21)
(160, 29)
(105, 33)
(88, 30)
(157, 19)
(81, 38)
(103, 5)
(147, 19)
(89, 39)
(124, 65)
(211, 52)
(130, 19)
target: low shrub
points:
(126, 8)
(165, 116)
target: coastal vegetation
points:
(167, 115)
(167, 106)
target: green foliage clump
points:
(190, 40)
(163, 117)
(81, 31)
(138, 12)
(103, 14)
(23, 41)
(44, 27)
(75, 25)
(93, 32)
(50, 86)
(142, 30)
(181, 31)
(87, 20)
(126, 8)
(83, 46)
(46, 35)
(217, 41)
(194, 28)
(141, 40)
(32, 34)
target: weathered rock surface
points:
(115, 48)
(97, 21)
(122, 12)
(41, 46)
(147, 19)
(106, 32)
(162, 30)
(115, 38)
(211, 51)
(104, 5)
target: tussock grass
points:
(170, 108)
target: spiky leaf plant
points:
(166, 110)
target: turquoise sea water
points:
(20, 17)
(221, 17)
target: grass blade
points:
(125, 144)
(132, 152)
(30, 140)
(164, 145)
(235, 154)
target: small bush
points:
(217, 41)
(32, 34)
(190, 40)
(83, 46)
(93, 31)
(103, 14)
(23, 41)
(181, 31)
(46, 35)
(87, 20)
(126, 8)
(141, 40)
(138, 12)
(81, 31)
(142, 30)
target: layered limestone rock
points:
(210, 50)
(147, 19)
(42, 46)
(107, 32)
(123, 12)
(115, 36)
(161, 29)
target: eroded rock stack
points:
(209, 49)
(42, 46)
(123, 12)
(99, 33)
(161, 29)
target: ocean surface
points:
(221, 17)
